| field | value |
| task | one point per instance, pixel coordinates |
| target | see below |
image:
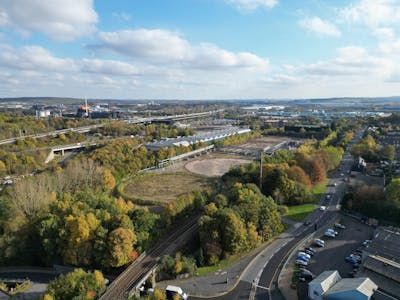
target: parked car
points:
(309, 252)
(306, 223)
(305, 254)
(319, 243)
(322, 208)
(303, 258)
(310, 249)
(338, 225)
(301, 263)
(305, 271)
(333, 231)
(366, 243)
(329, 234)
(354, 259)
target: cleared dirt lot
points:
(214, 167)
(164, 187)
(255, 146)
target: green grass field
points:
(163, 187)
(299, 212)
(318, 190)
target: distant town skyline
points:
(199, 49)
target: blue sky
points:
(199, 49)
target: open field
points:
(299, 212)
(214, 167)
(163, 187)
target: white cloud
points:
(59, 20)
(122, 16)
(384, 33)
(111, 67)
(373, 13)
(352, 61)
(32, 59)
(320, 27)
(169, 48)
(251, 5)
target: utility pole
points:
(261, 167)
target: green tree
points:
(76, 285)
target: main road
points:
(259, 280)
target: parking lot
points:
(331, 257)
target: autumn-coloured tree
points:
(120, 243)
(76, 285)
(297, 174)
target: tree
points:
(392, 192)
(297, 174)
(120, 242)
(76, 285)
(387, 152)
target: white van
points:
(172, 290)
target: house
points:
(320, 285)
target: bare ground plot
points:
(255, 146)
(214, 167)
(164, 187)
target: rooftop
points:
(386, 244)
(363, 285)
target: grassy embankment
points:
(299, 212)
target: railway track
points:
(119, 289)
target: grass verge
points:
(221, 265)
(318, 190)
(299, 212)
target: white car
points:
(305, 254)
(333, 231)
(322, 208)
(329, 234)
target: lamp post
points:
(261, 163)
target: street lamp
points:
(261, 164)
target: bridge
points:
(62, 149)
(129, 282)
(83, 129)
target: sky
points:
(200, 49)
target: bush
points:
(283, 209)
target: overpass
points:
(62, 149)
(83, 129)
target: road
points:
(259, 280)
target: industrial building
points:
(381, 260)
(203, 137)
